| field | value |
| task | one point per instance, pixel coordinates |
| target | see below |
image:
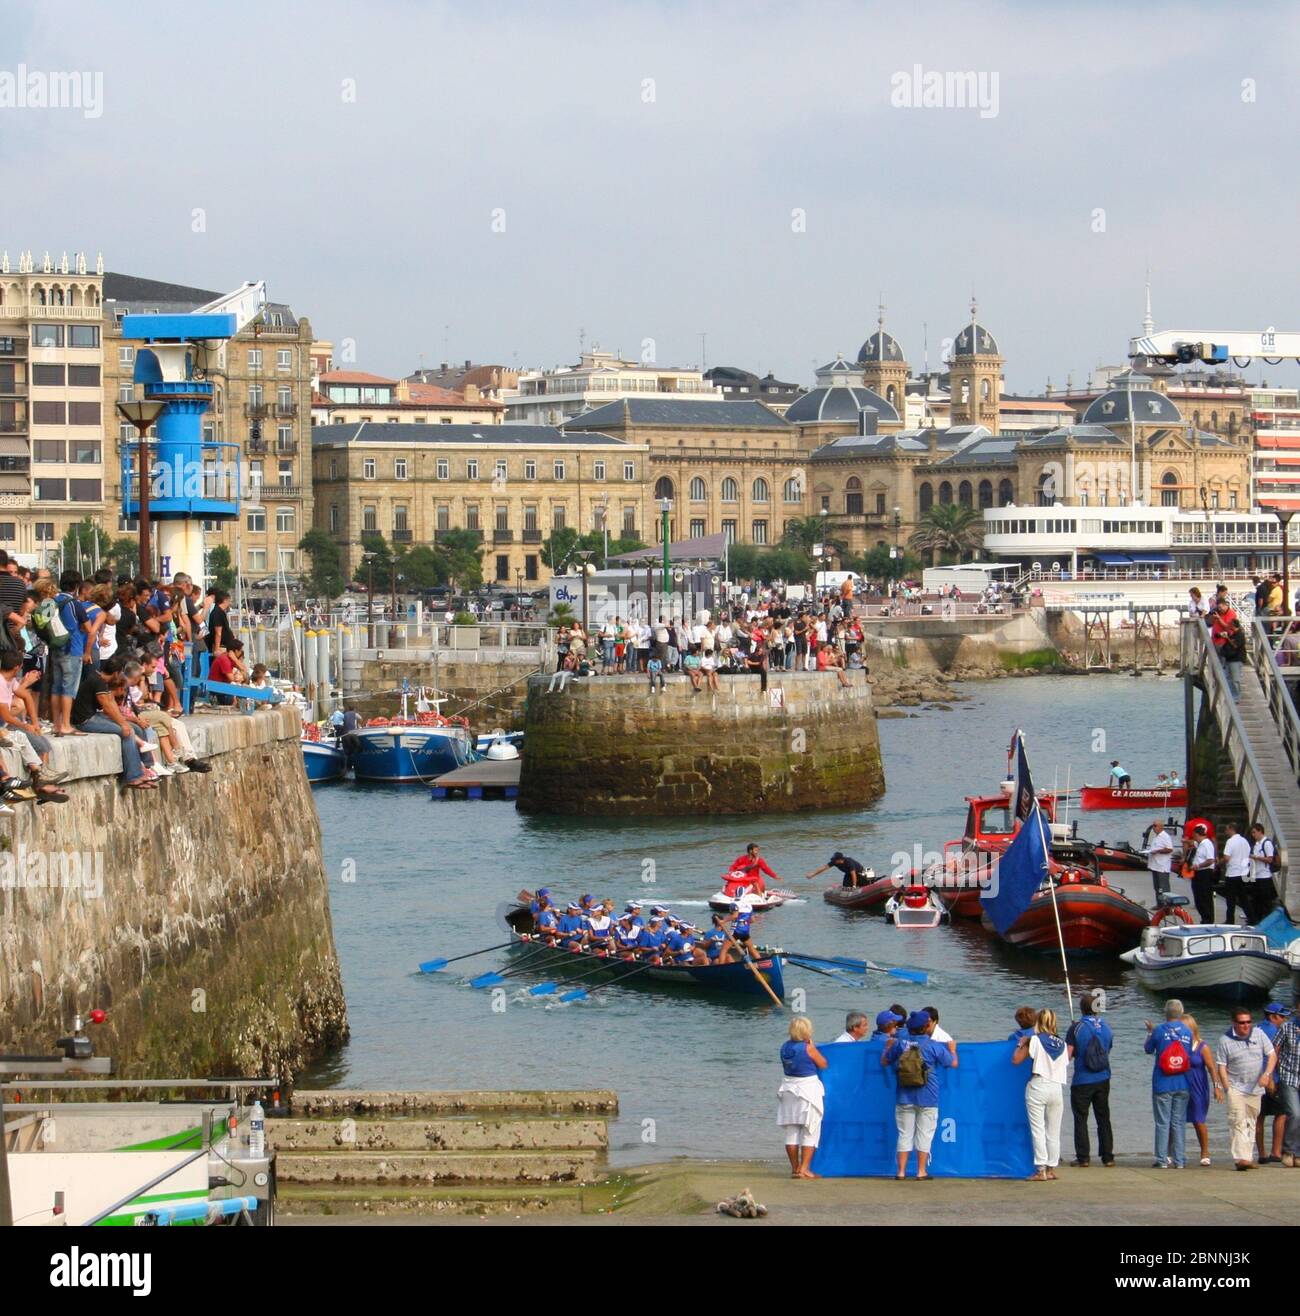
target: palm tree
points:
(808, 531)
(949, 529)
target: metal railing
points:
(1200, 658)
(1277, 644)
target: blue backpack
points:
(1096, 1058)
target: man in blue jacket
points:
(1171, 1044)
(1089, 1041)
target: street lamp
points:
(584, 556)
(142, 416)
(665, 507)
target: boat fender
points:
(1170, 914)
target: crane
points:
(1216, 347)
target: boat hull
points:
(733, 978)
(871, 897)
(1106, 797)
(406, 753)
(1231, 976)
(1095, 920)
(323, 761)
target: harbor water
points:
(696, 1074)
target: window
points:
(85, 491)
(257, 559)
(443, 517)
(503, 567)
(503, 518)
(530, 518)
(945, 494)
(927, 498)
(284, 438)
(49, 413)
(1006, 494)
(8, 530)
(255, 358)
(47, 376)
(83, 413)
(399, 519)
(285, 473)
(729, 529)
(793, 490)
(471, 517)
(284, 358)
(49, 450)
(288, 559)
(759, 532)
(51, 491)
(369, 520)
(471, 469)
(986, 493)
(254, 396)
(83, 335)
(44, 532)
(499, 469)
(399, 468)
(599, 470)
(730, 491)
(629, 520)
(530, 469)
(443, 469)
(334, 518)
(530, 566)
(760, 492)
(368, 469)
(697, 528)
(47, 335)
(125, 356)
(698, 490)
(557, 517)
(559, 470)
(256, 520)
(85, 452)
(126, 392)
(629, 470)
(83, 376)
(284, 520)
(964, 493)
(255, 477)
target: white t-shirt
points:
(1236, 850)
(937, 1034)
(848, 1037)
(1204, 854)
(699, 632)
(1160, 857)
(1055, 1070)
(1261, 852)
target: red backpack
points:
(1174, 1058)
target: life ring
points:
(1170, 914)
(915, 897)
(311, 731)
(378, 722)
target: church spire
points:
(1148, 323)
(880, 327)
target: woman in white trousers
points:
(1045, 1092)
(801, 1097)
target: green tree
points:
(557, 547)
(124, 553)
(85, 547)
(376, 556)
(422, 568)
(743, 561)
(220, 567)
(325, 580)
(809, 531)
(463, 552)
(876, 564)
(949, 532)
(783, 563)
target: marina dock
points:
(488, 779)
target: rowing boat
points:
(516, 920)
(1129, 797)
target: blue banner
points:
(1018, 874)
(983, 1130)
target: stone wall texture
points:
(606, 747)
(201, 923)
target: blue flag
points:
(1019, 873)
(1025, 797)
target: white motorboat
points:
(1217, 961)
(722, 903)
(915, 907)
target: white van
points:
(833, 580)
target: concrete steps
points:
(347, 1152)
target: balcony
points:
(500, 536)
(286, 410)
(532, 536)
(257, 447)
(13, 348)
(256, 410)
(402, 536)
(286, 449)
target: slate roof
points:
(837, 404)
(665, 413)
(324, 436)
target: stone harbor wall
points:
(197, 915)
(606, 747)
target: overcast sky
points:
(649, 163)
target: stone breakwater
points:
(607, 747)
(207, 936)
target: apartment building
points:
(344, 397)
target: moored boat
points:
(1221, 962)
(915, 907)
(1131, 797)
(323, 758)
(1095, 918)
(871, 897)
(733, 977)
(406, 748)
(722, 903)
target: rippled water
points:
(429, 876)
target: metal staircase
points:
(1261, 738)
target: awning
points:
(1114, 559)
(1160, 559)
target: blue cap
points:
(887, 1017)
(543, 891)
(1276, 1007)
(573, 904)
(918, 1021)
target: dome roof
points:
(837, 404)
(881, 346)
(1144, 406)
(975, 340)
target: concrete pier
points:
(607, 746)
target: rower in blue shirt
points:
(541, 898)
(651, 941)
(741, 916)
(633, 907)
(547, 924)
(600, 930)
(571, 926)
(714, 939)
(626, 935)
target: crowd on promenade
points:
(106, 656)
(1253, 1069)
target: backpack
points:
(1271, 858)
(48, 621)
(1174, 1059)
(1095, 1057)
(913, 1072)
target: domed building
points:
(975, 375)
(840, 399)
(884, 367)
(1135, 401)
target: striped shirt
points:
(1287, 1043)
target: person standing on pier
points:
(1045, 1092)
(1160, 859)
(801, 1097)
(916, 1061)
(1089, 1041)
(1202, 863)
(1245, 1059)
(1261, 893)
(1236, 869)
(1171, 1043)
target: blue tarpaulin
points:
(983, 1130)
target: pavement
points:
(686, 1192)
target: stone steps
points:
(326, 1102)
(478, 1199)
(424, 1167)
(443, 1133)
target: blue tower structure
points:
(190, 480)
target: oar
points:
(492, 977)
(547, 988)
(834, 975)
(581, 993)
(432, 966)
(859, 966)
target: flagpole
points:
(1056, 909)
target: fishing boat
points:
(407, 748)
(720, 902)
(1217, 961)
(1095, 917)
(915, 907)
(1119, 858)
(871, 896)
(733, 977)
(323, 757)
(1132, 797)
